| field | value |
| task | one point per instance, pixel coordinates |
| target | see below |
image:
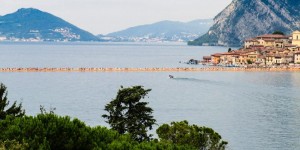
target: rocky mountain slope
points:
(244, 19)
(34, 25)
(165, 31)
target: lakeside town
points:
(269, 50)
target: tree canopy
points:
(278, 32)
(229, 49)
(182, 133)
(127, 114)
(14, 109)
(49, 131)
(129, 117)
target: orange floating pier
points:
(207, 69)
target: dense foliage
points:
(49, 131)
(229, 49)
(13, 145)
(278, 32)
(182, 133)
(14, 109)
(249, 61)
(208, 39)
(127, 114)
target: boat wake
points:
(189, 79)
(197, 80)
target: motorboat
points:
(171, 77)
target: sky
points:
(106, 16)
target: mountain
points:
(244, 19)
(164, 31)
(35, 25)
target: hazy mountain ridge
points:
(34, 25)
(164, 31)
(244, 19)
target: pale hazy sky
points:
(104, 16)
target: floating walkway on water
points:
(208, 69)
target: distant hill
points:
(164, 31)
(244, 19)
(35, 25)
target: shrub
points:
(49, 131)
(181, 133)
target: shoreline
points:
(208, 69)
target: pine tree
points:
(181, 133)
(128, 115)
(14, 109)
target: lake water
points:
(251, 110)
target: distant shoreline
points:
(208, 69)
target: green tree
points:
(49, 131)
(249, 62)
(278, 32)
(13, 145)
(229, 49)
(127, 114)
(182, 133)
(14, 109)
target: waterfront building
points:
(242, 59)
(206, 59)
(230, 58)
(297, 58)
(215, 58)
(277, 60)
(263, 50)
(261, 60)
(252, 55)
(296, 38)
(269, 59)
(251, 42)
(268, 40)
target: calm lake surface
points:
(251, 110)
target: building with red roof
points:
(268, 40)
